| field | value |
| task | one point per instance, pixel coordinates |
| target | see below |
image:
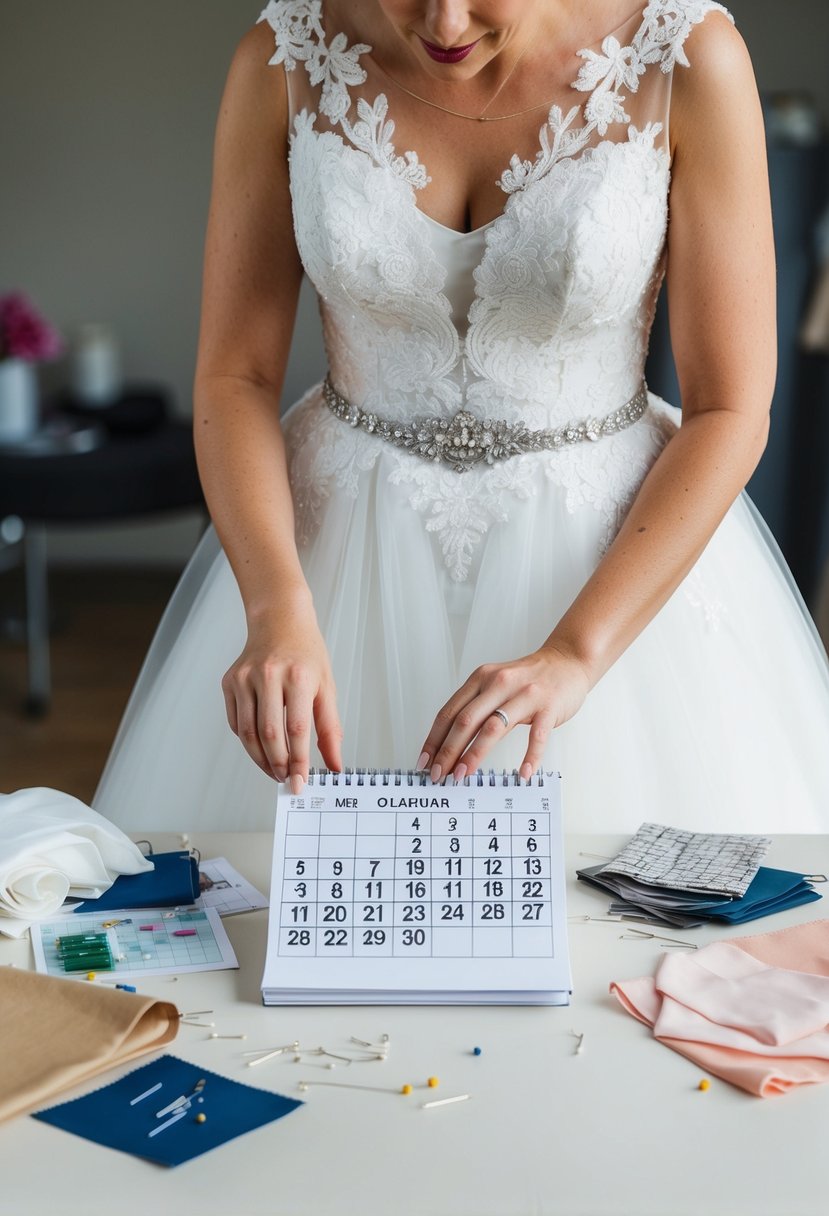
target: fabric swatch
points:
(752, 1010)
(54, 847)
(111, 1117)
(56, 1033)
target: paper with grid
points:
(398, 884)
(147, 941)
(721, 863)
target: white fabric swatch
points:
(54, 847)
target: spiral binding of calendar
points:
(397, 776)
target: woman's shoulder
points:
(716, 69)
(252, 84)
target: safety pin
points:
(815, 878)
(632, 934)
(383, 1045)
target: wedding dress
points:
(717, 717)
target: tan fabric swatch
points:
(56, 1033)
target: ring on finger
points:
(499, 713)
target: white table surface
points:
(621, 1128)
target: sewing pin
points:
(226, 1036)
(268, 1055)
(174, 1119)
(579, 1048)
(153, 1089)
(321, 1051)
(445, 1101)
(302, 1086)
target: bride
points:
(482, 541)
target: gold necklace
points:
(472, 117)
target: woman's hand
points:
(540, 691)
(279, 686)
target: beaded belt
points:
(464, 441)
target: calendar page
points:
(386, 887)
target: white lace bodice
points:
(541, 316)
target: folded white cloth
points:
(53, 846)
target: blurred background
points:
(108, 112)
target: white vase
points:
(96, 366)
(19, 400)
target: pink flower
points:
(24, 334)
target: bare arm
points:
(722, 309)
(252, 275)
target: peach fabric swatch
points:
(752, 1010)
(56, 1033)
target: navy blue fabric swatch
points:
(107, 1118)
(174, 881)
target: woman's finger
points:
(248, 732)
(270, 722)
(473, 717)
(492, 731)
(540, 728)
(329, 730)
(298, 720)
(444, 721)
(230, 708)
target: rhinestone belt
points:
(464, 441)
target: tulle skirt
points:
(716, 718)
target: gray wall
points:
(108, 111)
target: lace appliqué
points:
(698, 593)
(322, 453)
(462, 509)
(297, 25)
(659, 39)
(664, 28)
(565, 142)
(372, 134)
(609, 476)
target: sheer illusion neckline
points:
(638, 14)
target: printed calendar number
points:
(335, 937)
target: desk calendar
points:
(387, 888)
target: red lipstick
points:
(452, 54)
